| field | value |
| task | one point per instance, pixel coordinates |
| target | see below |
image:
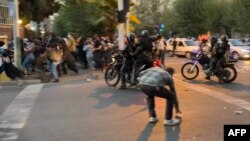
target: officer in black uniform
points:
(143, 54)
(127, 59)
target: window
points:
(180, 43)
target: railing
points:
(4, 15)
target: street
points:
(79, 110)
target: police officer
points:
(127, 59)
(143, 53)
(219, 51)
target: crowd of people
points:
(57, 54)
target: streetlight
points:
(20, 21)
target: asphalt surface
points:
(79, 110)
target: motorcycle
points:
(112, 74)
(190, 69)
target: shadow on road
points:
(144, 136)
(172, 133)
(231, 86)
(108, 96)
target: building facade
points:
(6, 20)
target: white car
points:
(184, 46)
(238, 49)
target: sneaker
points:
(172, 122)
(153, 119)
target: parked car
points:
(185, 47)
(238, 49)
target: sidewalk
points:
(32, 79)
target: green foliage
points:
(37, 10)
(242, 12)
(190, 17)
(149, 12)
(87, 17)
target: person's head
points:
(70, 34)
(96, 37)
(170, 70)
(204, 40)
(145, 33)
(1, 43)
(131, 38)
(224, 38)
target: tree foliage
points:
(242, 15)
(149, 12)
(190, 17)
(87, 17)
(37, 10)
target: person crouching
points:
(152, 83)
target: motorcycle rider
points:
(213, 42)
(219, 51)
(143, 54)
(127, 58)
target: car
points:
(238, 49)
(185, 47)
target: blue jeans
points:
(53, 70)
(28, 61)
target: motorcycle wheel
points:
(187, 73)
(229, 74)
(112, 76)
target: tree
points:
(242, 18)
(220, 16)
(87, 17)
(37, 10)
(149, 12)
(190, 17)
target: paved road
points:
(77, 110)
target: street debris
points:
(238, 111)
(88, 80)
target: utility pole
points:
(121, 24)
(16, 36)
(127, 24)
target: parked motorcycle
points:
(190, 69)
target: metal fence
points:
(4, 15)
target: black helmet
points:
(131, 38)
(144, 33)
(213, 39)
(224, 38)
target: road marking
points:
(218, 95)
(16, 114)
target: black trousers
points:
(98, 60)
(162, 92)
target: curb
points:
(24, 82)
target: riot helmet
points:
(131, 38)
(144, 33)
